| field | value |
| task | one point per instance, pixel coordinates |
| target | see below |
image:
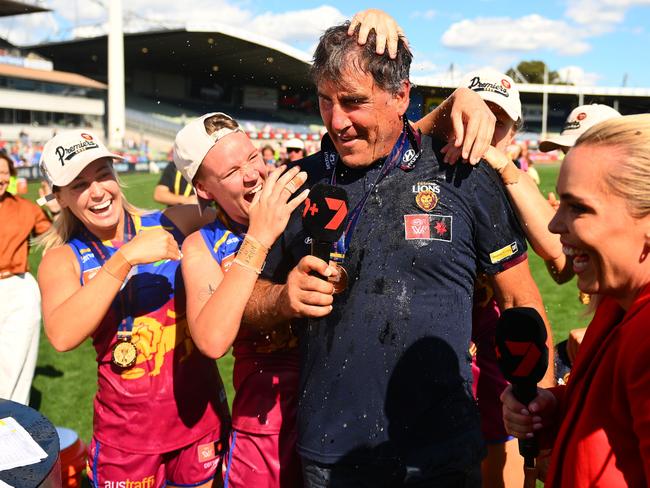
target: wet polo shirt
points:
(388, 372)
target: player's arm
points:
(162, 194)
(515, 287)
(187, 218)
(534, 213)
(465, 121)
(214, 305)
(72, 312)
(303, 295)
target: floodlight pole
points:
(545, 102)
(116, 111)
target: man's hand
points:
(473, 127)
(386, 28)
(305, 295)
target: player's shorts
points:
(262, 461)
(488, 385)
(192, 465)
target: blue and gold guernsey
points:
(265, 374)
(173, 395)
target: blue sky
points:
(592, 42)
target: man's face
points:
(294, 153)
(363, 120)
(504, 131)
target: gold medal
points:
(340, 281)
(124, 354)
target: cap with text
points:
(496, 87)
(193, 142)
(67, 154)
(580, 120)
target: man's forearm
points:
(264, 309)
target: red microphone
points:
(324, 217)
(522, 355)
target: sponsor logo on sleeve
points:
(148, 482)
(503, 253)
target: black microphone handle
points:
(525, 392)
(321, 250)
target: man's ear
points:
(201, 191)
(402, 97)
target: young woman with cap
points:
(110, 272)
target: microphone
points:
(324, 217)
(522, 356)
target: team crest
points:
(426, 200)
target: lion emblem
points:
(426, 200)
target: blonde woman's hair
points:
(67, 225)
(631, 176)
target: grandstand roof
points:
(215, 48)
(61, 77)
(12, 7)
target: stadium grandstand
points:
(174, 74)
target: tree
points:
(533, 72)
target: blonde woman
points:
(111, 273)
(599, 423)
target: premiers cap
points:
(295, 143)
(496, 87)
(67, 154)
(579, 121)
(193, 142)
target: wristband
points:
(252, 254)
(117, 266)
(510, 174)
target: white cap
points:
(193, 142)
(295, 143)
(496, 87)
(67, 154)
(577, 123)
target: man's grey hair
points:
(336, 50)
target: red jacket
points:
(604, 435)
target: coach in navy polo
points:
(385, 394)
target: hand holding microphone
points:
(522, 355)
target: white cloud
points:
(88, 18)
(427, 14)
(528, 33)
(578, 76)
(600, 16)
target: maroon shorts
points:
(191, 465)
(262, 461)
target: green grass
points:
(65, 383)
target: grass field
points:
(65, 383)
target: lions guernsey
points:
(172, 388)
(265, 374)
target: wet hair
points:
(630, 179)
(337, 51)
(10, 163)
(219, 121)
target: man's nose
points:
(340, 120)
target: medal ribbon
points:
(405, 153)
(102, 255)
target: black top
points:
(172, 179)
(388, 371)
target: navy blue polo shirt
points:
(388, 371)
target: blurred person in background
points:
(268, 155)
(599, 423)
(295, 149)
(110, 272)
(172, 189)
(20, 300)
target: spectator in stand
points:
(598, 425)
(172, 189)
(268, 154)
(295, 149)
(20, 300)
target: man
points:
(295, 149)
(172, 189)
(385, 394)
